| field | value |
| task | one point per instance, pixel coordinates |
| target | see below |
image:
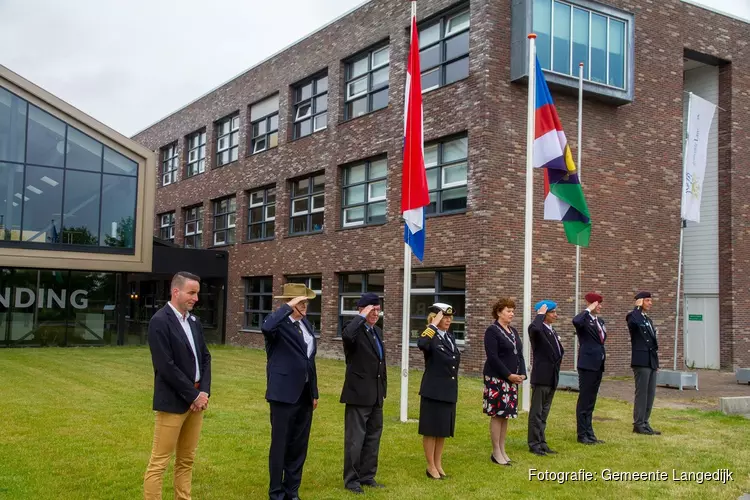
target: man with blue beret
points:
(644, 361)
(363, 393)
(545, 373)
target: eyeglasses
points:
(302, 304)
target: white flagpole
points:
(531, 110)
(682, 233)
(578, 248)
(406, 305)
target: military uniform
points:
(439, 389)
(645, 363)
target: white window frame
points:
(449, 30)
(370, 196)
(234, 128)
(167, 221)
(194, 153)
(447, 185)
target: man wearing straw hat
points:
(292, 389)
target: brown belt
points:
(197, 385)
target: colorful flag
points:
(563, 195)
(414, 192)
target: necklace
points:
(511, 338)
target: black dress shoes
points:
(356, 490)
(586, 441)
(538, 451)
(642, 430)
(546, 450)
(653, 431)
(373, 484)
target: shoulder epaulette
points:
(428, 332)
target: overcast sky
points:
(128, 63)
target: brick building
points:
(293, 167)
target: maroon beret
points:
(593, 297)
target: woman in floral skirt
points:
(504, 369)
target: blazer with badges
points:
(548, 353)
(174, 362)
(441, 361)
(643, 342)
(591, 354)
(288, 368)
(503, 357)
(366, 377)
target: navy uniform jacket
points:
(440, 378)
(288, 366)
(547, 356)
(366, 377)
(174, 362)
(591, 354)
(643, 342)
(501, 361)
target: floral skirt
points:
(500, 398)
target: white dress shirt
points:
(307, 336)
(189, 334)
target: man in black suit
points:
(592, 334)
(644, 361)
(291, 390)
(182, 384)
(363, 393)
(545, 374)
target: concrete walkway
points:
(711, 384)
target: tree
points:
(125, 234)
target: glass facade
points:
(60, 188)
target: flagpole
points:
(530, 115)
(578, 247)
(682, 234)
(406, 304)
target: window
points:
(569, 34)
(311, 106)
(363, 200)
(264, 117)
(196, 163)
(314, 283)
(351, 287)
(444, 50)
(261, 214)
(225, 216)
(446, 167)
(169, 163)
(258, 301)
(62, 186)
(166, 226)
(367, 82)
(428, 287)
(308, 200)
(194, 227)
(227, 141)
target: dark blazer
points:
(174, 362)
(366, 379)
(547, 357)
(501, 362)
(591, 354)
(440, 378)
(643, 343)
(288, 365)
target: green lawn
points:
(77, 424)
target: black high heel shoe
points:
(494, 460)
(431, 476)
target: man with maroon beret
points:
(591, 334)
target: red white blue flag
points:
(414, 192)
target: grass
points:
(77, 424)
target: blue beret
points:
(368, 299)
(551, 304)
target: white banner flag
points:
(700, 115)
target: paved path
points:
(712, 385)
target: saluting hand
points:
(542, 310)
(592, 306)
(296, 300)
(366, 311)
(437, 319)
(639, 303)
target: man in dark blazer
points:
(182, 384)
(291, 391)
(644, 361)
(592, 334)
(364, 389)
(545, 374)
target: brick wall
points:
(631, 171)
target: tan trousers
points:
(173, 433)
